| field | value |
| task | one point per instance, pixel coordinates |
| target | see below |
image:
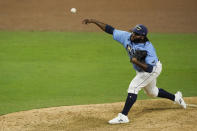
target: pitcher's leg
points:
(140, 81)
(152, 90)
(165, 94)
(131, 98)
(177, 98)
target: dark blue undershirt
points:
(109, 29)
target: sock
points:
(131, 98)
(164, 94)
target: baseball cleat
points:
(119, 119)
(179, 99)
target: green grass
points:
(44, 69)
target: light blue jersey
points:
(123, 37)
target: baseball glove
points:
(140, 55)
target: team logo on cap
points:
(138, 27)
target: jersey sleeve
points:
(151, 60)
(121, 36)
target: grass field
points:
(44, 69)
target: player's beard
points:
(138, 40)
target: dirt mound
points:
(145, 115)
(158, 15)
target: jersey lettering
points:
(130, 50)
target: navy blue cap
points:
(140, 29)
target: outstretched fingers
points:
(86, 21)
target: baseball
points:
(73, 10)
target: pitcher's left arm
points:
(138, 58)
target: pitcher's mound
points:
(154, 115)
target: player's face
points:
(136, 37)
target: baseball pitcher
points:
(148, 67)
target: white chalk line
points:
(191, 105)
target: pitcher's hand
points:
(87, 21)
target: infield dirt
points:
(50, 15)
(146, 115)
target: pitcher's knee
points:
(152, 93)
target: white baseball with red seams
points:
(73, 10)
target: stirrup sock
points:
(131, 98)
(164, 94)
